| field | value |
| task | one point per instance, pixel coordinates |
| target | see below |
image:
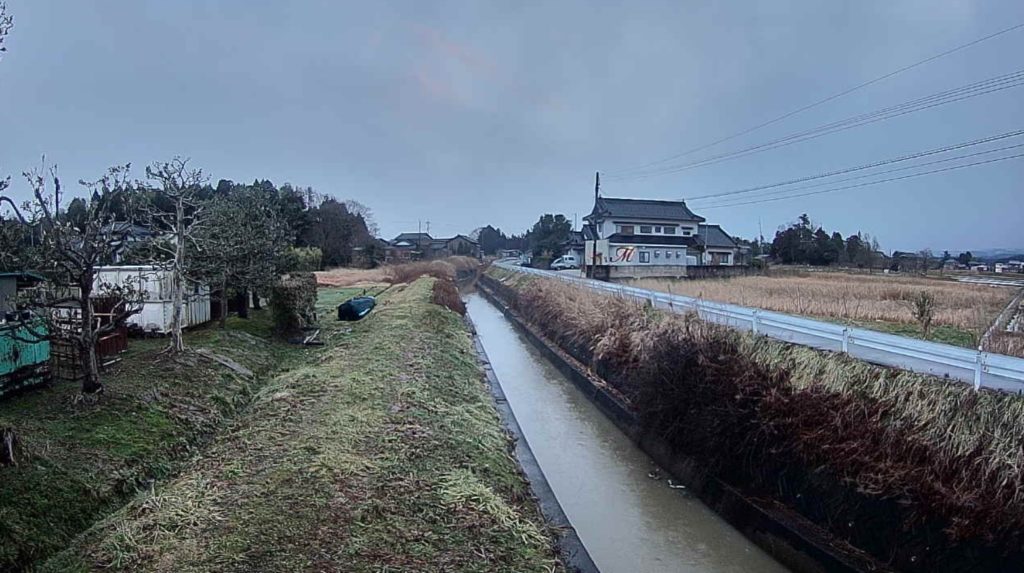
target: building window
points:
(657, 254)
(645, 257)
(657, 230)
(679, 254)
(624, 229)
(669, 230)
(645, 229)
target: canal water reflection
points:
(628, 521)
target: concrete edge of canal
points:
(570, 546)
(788, 537)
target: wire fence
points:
(982, 369)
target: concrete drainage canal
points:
(628, 514)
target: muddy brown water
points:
(628, 521)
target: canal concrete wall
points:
(787, 536)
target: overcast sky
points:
(469, 113)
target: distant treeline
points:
(803, 242)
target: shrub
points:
(302, 259)
(447, 295)
(293, 300)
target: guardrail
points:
(982, 369)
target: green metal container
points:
(23, 362)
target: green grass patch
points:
(380, 451)
(82, 458)
(942, 333)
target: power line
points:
(867, 184)
(898, 169)
(828, 99)
(968, 91)
(872, 165)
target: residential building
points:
(421, 246)
(643, 237)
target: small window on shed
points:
(657, 254)
(669, 230)
(645, 229)
(645, 256)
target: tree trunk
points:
(243, 303)
(177, 343)
(223, 318)
(256, 300)
(90, 369)
(86, 341)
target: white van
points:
(566, 262)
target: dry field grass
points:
(850, 297)
(401, 273)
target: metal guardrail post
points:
(979, 365)
(754, 321)
(846, 340)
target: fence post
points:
(979, 363)
(846, 340)
(753, 322)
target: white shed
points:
(158, 309)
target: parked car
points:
(566, 262)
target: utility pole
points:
(428, 227)
(597, 222)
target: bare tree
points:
(925, 257)
(176, 210)
(361, 210)
(6, 23)
(70, 253)
(923, 306)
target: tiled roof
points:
(643, 209)
(714, 236)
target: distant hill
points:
(998, 255)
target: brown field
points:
(851, 297)
(401, 273)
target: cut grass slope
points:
(383, 452)
(82, 458)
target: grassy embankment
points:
(880, 302)
(380, 452)
(81, 458)
(923, 473)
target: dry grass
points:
(842, 296)
(447, 268)
(1009, 343)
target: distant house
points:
(716, 247)
(644, 237)
(421, 246)
(577, 243)
(408, 247)
(459, 245)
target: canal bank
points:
(628, 513)
(381, 450)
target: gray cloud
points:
(467, 113)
